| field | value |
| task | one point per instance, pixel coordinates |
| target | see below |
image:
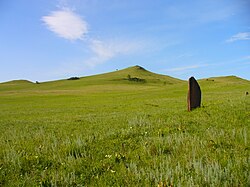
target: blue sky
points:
(55, 39)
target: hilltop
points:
(134, 72)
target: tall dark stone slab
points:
(194, 94)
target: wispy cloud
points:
(66, 24)
(246, 58)
(100, 52)
(208, 12)
(184, 68)
(104, 51)
(239, 36)
(184, 56)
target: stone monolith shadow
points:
(194, 94)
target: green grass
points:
(108, 131)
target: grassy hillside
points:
(136, 71)
(107, 130)
(113, 79)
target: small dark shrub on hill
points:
(136, 79)
(73, 78)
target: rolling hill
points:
(139, 77)
(133, 76)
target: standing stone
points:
(194, 94)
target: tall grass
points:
(141, 137)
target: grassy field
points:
(107, 130)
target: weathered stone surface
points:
(194, 94)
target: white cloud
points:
(239, 36)
(66, 24)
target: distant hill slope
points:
(16, 85)
(225, 84)
(17, 82)
(227, 79)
